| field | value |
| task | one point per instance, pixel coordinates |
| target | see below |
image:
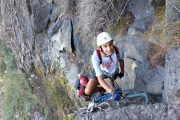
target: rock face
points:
(19, 32)
(136, 51)
(143, 12)
(149, 112)
(25, 31)
(155, 80)
(46, 34)
(172, 83)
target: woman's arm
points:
(104, 84)
(122, 65)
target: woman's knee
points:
(88, 91)
(90, 86)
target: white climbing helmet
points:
(103, 38)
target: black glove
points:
(121, 74)
(117, 95)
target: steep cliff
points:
(52, 40)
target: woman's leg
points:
(91, 86)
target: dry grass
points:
(156, 55)
(96, 16)
(162, 37)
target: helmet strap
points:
(102, 50)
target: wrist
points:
(122, 71)
(111, 91)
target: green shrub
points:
(57, 91)
(69, 117)
(17, 97)
(2, 63)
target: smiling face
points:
(108, 47)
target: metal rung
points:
(139, 95)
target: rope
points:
(174, 6)
(123, 8)
(139, 95)
(121, 12)
(117, 10)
